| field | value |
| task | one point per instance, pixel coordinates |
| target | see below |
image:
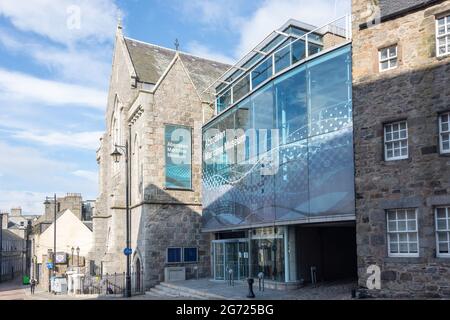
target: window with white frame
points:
(388, 58)
(444, 132)
(402, 230)
(396, 141)
(443, 35)
(443, 231)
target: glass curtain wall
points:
(286, 152)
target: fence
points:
(112, 284)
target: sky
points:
(55, 65)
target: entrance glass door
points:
(231, 254)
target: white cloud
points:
(253, 28)
(64, 21)
(80, 140)
(203, 51)
(92, 176)
(26, 168)
(88, 65)
(20, 87)
(274, 13)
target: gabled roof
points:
(151, 61)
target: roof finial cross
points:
(177, 44)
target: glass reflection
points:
(310, 109)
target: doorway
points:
(232, 255)
(138, 275)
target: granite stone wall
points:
(417, 91)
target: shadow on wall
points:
(419, 181)
(166, 222)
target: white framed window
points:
(403, 235)
(443, 36)
(444, 132)
(396, 141)
(388, 58)
(443, 232)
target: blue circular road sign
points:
(127, 251)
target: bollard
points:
(251, 294)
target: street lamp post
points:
(116, 156)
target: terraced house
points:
(401, 105)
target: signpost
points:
(127, 251)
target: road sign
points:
(127, 251)
(49, 265)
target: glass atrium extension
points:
(280, 159)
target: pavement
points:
(341, 290)
(337, 290)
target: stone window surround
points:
(386, 123)
(438, 254)
(388, 58)
(388, 232)
(386, 44)
(441, 151)
(437, 17)
(182, 255)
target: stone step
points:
(191, 292)
(162, 293)
(178, 292)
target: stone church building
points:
(155, 103)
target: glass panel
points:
(190, 254)
(330, 95)
(404, 248)
(315, 171)
(173, 255)
(413, 247)
(268, 253)
(384, 54)
(219, 261)
(292, 111)
(241, 88)
(298, 51)
(412, 225)
(442, 236)
(331, 184)
(443, 248)
(178, 143)
(441, 213)
(262, 72)
(224, 101)
(243, 260)
(231, 259)
(282, 59)
(392, 226)
(442, 224)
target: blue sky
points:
(55, 64)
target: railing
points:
(112, 284)
(264, 65)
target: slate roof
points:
(150, 61)
(8, 235)
(392, 7)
